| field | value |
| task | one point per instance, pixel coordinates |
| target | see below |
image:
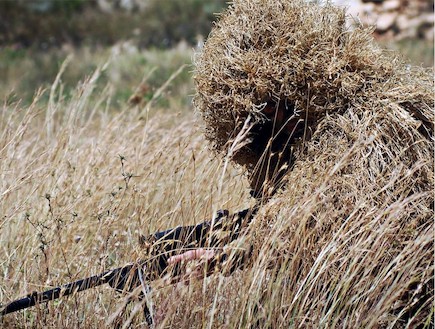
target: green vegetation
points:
(416, 52)
(48, 23)
(131, 73)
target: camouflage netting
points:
(351, 234)
(264, 51)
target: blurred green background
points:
(150, 23)
(146, 41)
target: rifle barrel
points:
(127, 277)
(64, 290)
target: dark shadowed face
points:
(283, 120)
(272, 142)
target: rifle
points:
(216, 233)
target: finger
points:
(199, 253)
(191, 255)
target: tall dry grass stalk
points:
(79, 184)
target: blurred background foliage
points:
(151, 23)
(143, 39)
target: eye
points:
(269, 110)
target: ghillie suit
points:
(347, 221)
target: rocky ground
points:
(395, 19)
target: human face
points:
(284, 119)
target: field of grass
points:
(108, 149)
(83, 174)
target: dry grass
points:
(78, 186)
(347, 243)
(350, 235)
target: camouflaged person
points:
(336, 137)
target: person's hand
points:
(195, 254)
(193, 262)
